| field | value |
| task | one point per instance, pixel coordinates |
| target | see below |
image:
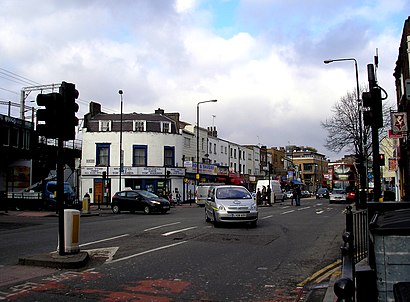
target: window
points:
(202, 143)
(169, 156)
(105, 125)
(139, 126)
(226, 150)
(210, 147)
(222, 149)
(166, 127)
(215, 148)
(103, 155)
(139, 156)
(187, 142)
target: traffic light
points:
(382, 161)
(48, 117)
(68, 119)
(372, 100)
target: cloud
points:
(262, 59)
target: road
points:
(177, 256)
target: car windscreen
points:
(232, 193)
(147, 194)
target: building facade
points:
(402, 83)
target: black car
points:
(138, 200)
(322, 193)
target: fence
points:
(354, 249)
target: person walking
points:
(264, 195)
(258, 197)
(298, 195)
(178, 196)
(269, 195)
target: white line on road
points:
(304, 208)
(287, 212)
(266, 217)
(147, 252)
(161, 226)
(102, 240)
(177, 231)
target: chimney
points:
(160, 111)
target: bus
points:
(344, 177)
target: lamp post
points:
(121, 163)
(197, 137)
(362, 173)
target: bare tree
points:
(343, 127)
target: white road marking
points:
(102, 240)
(161, 226)
(304, 208)
(147, 252)
(266, 217)
(177, 231)
(287, 212)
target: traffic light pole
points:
(375, 133)
(60, 196)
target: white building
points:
(152, 153)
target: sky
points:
(261, 59)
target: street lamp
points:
(121, 163)
(197, 136)
(361, 153)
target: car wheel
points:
(206, 217)
(115, 209)
(147, 210)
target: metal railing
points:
(354, 249)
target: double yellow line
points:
(322, 274)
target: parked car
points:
(338, 195)
(138, 200)
(322, 193)
(306, 194)
(230, 204)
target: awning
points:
(296, 182)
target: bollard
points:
(86, 204)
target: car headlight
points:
(254, 207)
(154, 202)
(221, 208)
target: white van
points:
(202, 191)
(277, 194)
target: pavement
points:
(81, 259)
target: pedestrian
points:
(269, 195)
(190, 197)
(294, 193)
(170, 199)
(264, 195)
(298, 195)
(178, 196)
(258, 197)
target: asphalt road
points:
(178, 256)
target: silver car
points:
(230, 204)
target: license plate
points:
(239, 215)
(166, 207)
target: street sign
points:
(399, 122)
(395, 135)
